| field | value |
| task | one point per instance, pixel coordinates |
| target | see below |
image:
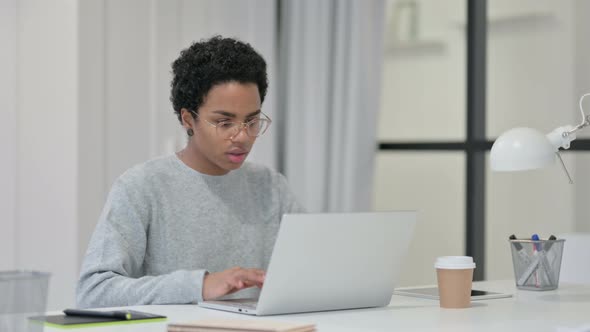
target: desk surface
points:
(568, 306)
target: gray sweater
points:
(164, 225)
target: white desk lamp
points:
(521, 149)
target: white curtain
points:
(330, 65)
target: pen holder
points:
(537, 263)
(22, 294)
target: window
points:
(456, 75)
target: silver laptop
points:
(331, 261)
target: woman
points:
(199, 224)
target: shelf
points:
(497, 20)
(417, 47)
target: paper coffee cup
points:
(455, 276)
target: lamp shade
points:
(521, 149)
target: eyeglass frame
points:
(242, 125)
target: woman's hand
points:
(230, 281)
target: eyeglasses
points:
(230, 129)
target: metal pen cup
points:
(536, 263)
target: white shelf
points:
(416, 47)
(498, 20)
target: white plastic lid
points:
(454, 262)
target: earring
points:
(190, 132)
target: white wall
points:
(92, 182)
(7, 133)
(407, 181)
(83, 96)
(39, 141)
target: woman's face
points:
(232, 101)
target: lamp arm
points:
(563, 136)
(585, 123)
(585, 118)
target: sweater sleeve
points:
(112, 271)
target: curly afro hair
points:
(210, 62)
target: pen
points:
(548, 244)
(537, 248)
(125, 315)
(531, 266)
(518, 246)
(545, 261)
(535, 237)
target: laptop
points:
(330, 261)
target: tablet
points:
(432, 293)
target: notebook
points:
(330, 261)
(231, 325)
(68, 322)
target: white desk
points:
(568, 306)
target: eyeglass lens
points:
(253, 128)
